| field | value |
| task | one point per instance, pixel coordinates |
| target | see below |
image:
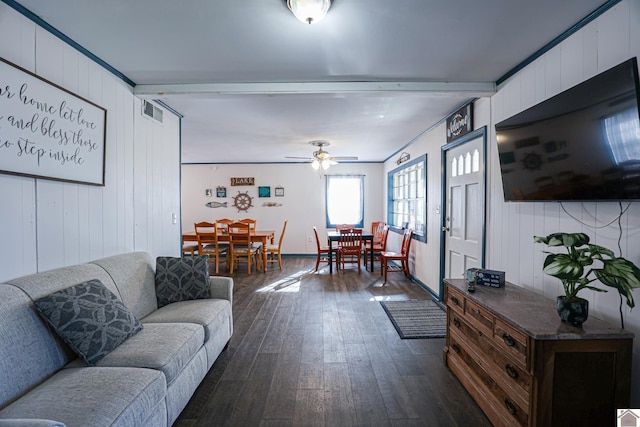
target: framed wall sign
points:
(279, 191)
(47, 131)
(264, 191)
(221, 191)
(459, 123)
(242, 181)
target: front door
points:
(463, 225)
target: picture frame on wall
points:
(70, 142)
(264, 191)
(221, 191)
(279, 191)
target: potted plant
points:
(580, 267)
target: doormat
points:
(417, 318)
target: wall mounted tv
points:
(582, 144)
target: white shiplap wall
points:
(605, 42)
(46, 224)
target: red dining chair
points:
(402, 257)
(323, 250)
(379, 245)
(350, 247)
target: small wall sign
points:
(279, 191)
(459, 123)
(242, 181)
(403, 158)
(264, 191)
(221, 191)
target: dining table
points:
(258, 236)
(334, 236)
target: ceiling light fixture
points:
(309, 11)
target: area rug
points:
(416, 318)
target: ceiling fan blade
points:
(302, 158)
(344, 158)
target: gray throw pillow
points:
(182, 279)
(90, 318)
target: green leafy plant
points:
(585, 263)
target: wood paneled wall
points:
(46, 224)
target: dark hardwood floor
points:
(314, 349)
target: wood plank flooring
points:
(314, 349)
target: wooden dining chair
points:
(402, 257)
(252, 223)
(240, 246)
(379, 245)
(350, 247)
(344, 226)
(323, 250)
(272, 250)
(208, 243)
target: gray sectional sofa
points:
(145, 381)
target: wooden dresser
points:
(524, 367)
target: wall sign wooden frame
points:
(460, 123)
(47, 131)
(242, 181)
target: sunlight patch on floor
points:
(398, 297)
(290, 283)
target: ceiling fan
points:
(321, 157)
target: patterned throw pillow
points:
(90, 318)
(182, 279)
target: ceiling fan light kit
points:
(321, 157)
(309, 11)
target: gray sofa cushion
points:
(133, 275)
(95, 397)
(90, 318)
(208, 313)
(182, 279)
(166, 347)
(30, 422)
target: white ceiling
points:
(255, 85)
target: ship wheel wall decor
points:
(243, 201)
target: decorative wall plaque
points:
(242, 181)
(47, 131)
(459, 123)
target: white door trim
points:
(482, 132)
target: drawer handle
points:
(510, 406)
(456, 322)
(508, 340)
(455, 300)
(456, 348)
(511, 371)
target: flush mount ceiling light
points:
(309, 11)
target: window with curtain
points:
(345, 200)
(407, 192)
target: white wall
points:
(609, 40)
(303, 204)
(46, 224)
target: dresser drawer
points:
(504, 403)
(492, 359)
(480, 317)
(512, 341)
(455, 300)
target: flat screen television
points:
(582, 144)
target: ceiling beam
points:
(207, 90)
